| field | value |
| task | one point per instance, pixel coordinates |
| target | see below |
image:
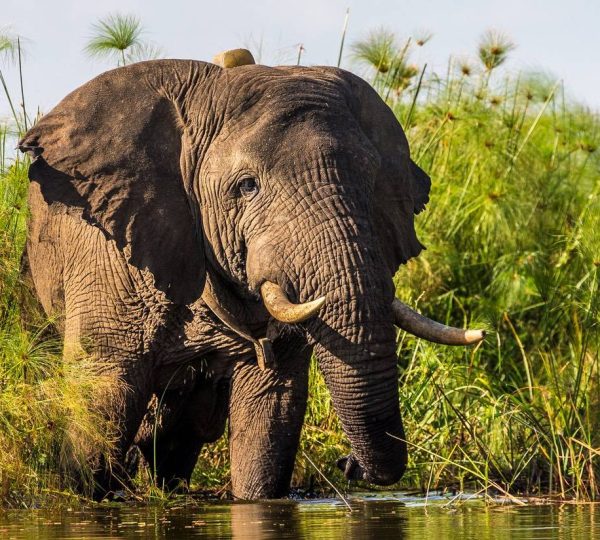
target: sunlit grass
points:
(513, 245)
(48, 431)
(119, 37)
(8, 44)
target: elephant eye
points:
(248, 187)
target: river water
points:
(397, 517)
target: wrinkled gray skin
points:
(140, 195)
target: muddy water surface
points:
(377, 518)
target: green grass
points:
(512, 245)
(46, 424)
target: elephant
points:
(200, 230)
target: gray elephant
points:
(203, 229)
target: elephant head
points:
(284, 186)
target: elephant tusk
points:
(420, 326)
(279, 306)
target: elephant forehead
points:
(281, 135)
(254, 91)
(295, 147)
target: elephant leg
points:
(124, 407)
(121, 392)
(171, 438)
(266, 413)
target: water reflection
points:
(402, 518)
(373, 520)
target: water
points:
(376, 518)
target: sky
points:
(559, 37)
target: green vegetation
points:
(119, 37)
(512, 244)
(46, 424)
(8, 44)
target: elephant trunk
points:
(369, 414)
(355, 345)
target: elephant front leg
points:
(265, 419)
(123, 408)
(171, 439)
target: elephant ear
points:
(401, 187)
(111, 153)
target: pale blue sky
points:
(560, 37)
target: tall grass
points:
(48, 429)
(512, 244)
(119, 37)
